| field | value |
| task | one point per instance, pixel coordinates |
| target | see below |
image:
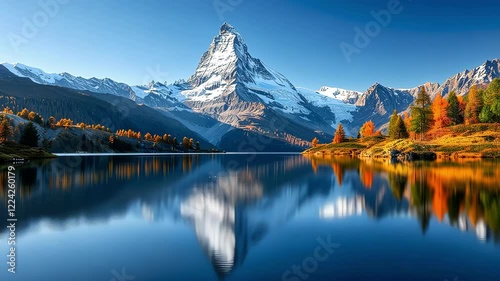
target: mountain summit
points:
(463, 81)
(235, 88)
(227, 63)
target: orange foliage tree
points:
(339, 134)
(315, 142)
(366, 175)
(474, 106)
(368, 129)
(461, 107)
(407, 120)
(440, 112)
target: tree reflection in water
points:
(466, 193)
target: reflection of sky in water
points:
(213, 223)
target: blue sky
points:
(136, 41)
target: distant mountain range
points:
(108, 110)
(240, 104)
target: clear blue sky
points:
(126, 40)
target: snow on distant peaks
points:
(347, 96)
(35, 74)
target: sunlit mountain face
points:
(228, 210)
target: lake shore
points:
(14, 152)
(472, 141)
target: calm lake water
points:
(253, 217)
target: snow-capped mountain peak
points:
(463, 81)
(228, 64)
(347, 96)
(225, 50)
(35, 74)
(104, 86)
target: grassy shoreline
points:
(14, 152)
(462, 141)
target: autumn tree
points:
(454, 109)
(191, 143)
(407, 121)
(392, 124)
(339, 134)
(462, 105)
(6, 130)
(24, 113)
(315, 142)
(474, 106)
(130, 133)
(148, 137)
(185, 143)
(51, 122)
(35, 117)
(30, 136)
(157, 138)
(7, 110)
(64, 123)
(368, 129)
(440, 112)
(166, 138)
(421, 113)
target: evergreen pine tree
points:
(400, 131)
(392, 124)
(486, 115)
(454, 109)
(30, 136)
(491, 97)
(421, 113)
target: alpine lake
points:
(236, 216)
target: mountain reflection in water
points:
(233, 202)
